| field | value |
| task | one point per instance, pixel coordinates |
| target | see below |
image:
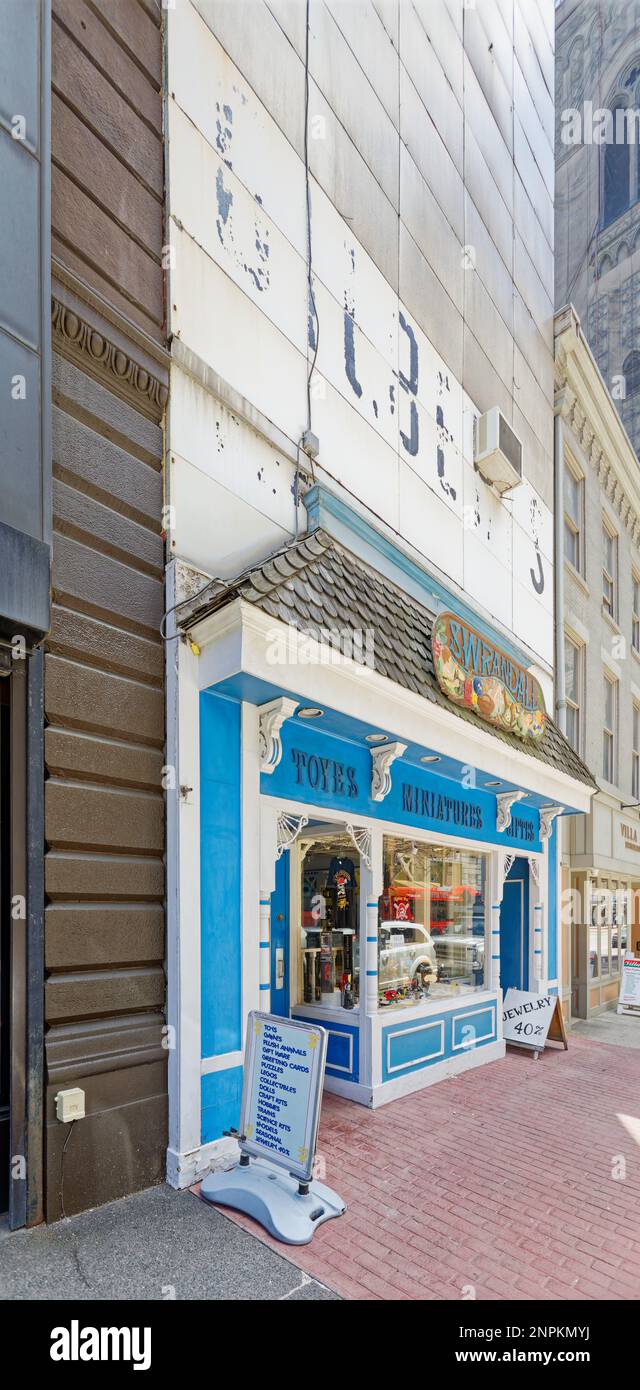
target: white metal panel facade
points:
(431, 196)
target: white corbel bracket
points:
(504, 802)
(272, 717)
(381, 760)
(547, 817)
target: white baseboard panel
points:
(183, 1170)
(350, 1089)
(439, 1071)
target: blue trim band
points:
(372, 972)
(265, 986)
(264, 945)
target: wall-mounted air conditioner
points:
(498, 451)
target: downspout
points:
(560, 688)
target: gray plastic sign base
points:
(271, 1197)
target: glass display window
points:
(431, 922)
(329, 954)
(609, 928)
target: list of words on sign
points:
(280, 1115)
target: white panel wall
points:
(431, 191)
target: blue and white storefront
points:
(346, 851)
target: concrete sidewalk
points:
(156, 1245)
(622, 1030)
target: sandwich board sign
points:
(629, 998)
(531, 1020)
(282, 1092)
(279, 1117)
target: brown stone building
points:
(103, 682)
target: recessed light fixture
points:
(493, 784)
(375, 738)
(430, 758)
(310, 712)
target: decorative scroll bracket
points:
(272, 717)
(362, 841)
(547, 817)
(288, 829)
(534, 870)
(505, 866)
(504, 802)
(381, 760)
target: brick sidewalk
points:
(499, 1179)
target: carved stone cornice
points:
(569, 407)
(93, 351)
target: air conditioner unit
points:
(498, 451)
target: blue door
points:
(280, 939)
(514, 928)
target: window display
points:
(329, 947)
(431, 922)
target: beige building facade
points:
(598, 678)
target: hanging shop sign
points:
(477, 675)
(629, 1000)
(531, 1020)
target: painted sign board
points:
(629, 998)
(474, 673)
(528, 1020)
(627, 839)
(282, 1091)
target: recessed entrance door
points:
(514, 928)
(280, 939)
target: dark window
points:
(631, 370)
(617, 172)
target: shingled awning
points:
(317, 585)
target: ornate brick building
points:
(597, 188)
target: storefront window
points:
(329, 941)
(431, 922)
(609, 916)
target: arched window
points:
(616, 191)
(631, 370)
